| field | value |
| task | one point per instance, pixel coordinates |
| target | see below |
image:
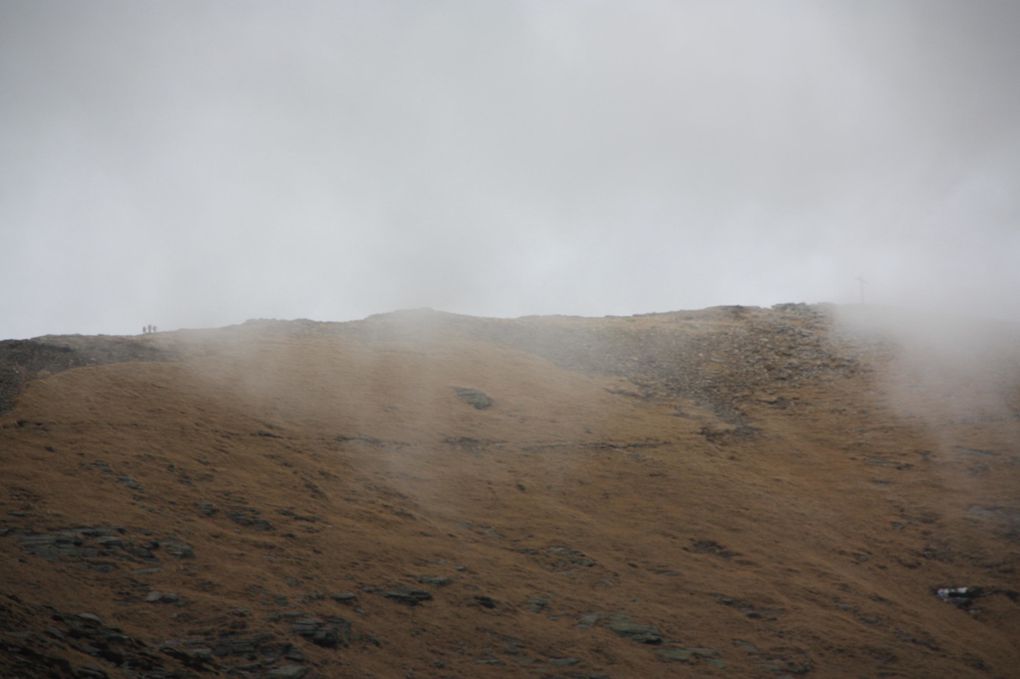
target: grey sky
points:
(200, 163)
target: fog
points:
(945, 369)
(199, 163)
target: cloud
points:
(200, 163)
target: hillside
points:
(732, 492)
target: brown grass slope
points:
(733, 492)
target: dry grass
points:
(804, 536)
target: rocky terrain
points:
(733, 492)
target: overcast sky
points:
(198, 163)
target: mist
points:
(195, 164)
(943, 369)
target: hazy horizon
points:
(196, 164)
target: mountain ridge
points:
(734, 491)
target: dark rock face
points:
(24, 360)
(474, 397)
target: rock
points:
(564, 662)
(643, 634)
(130, 483)
(411, 597)
(537, 604)
(86, 633)
(485, 601)
(23, 360)
(749, 609)
(560, 557)
(87, 672)
(474, 397)
(202, 654)
(344, 597)
(489, 661)
(468, 443)
(196, 657)
(146, 571)
(286, 615)
(711, 547)
(367, 440)
(237, 645)
(288, 672)
(437, 581)
(155, 597)
(777, 664)
(746, 646)
(328, 633)
(307, 518)
(963, 597)
(206, 508)
(249, 518)
(178, 549)
(675, 654)
(101, 567)
(687, 655)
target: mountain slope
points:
(731, 492)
